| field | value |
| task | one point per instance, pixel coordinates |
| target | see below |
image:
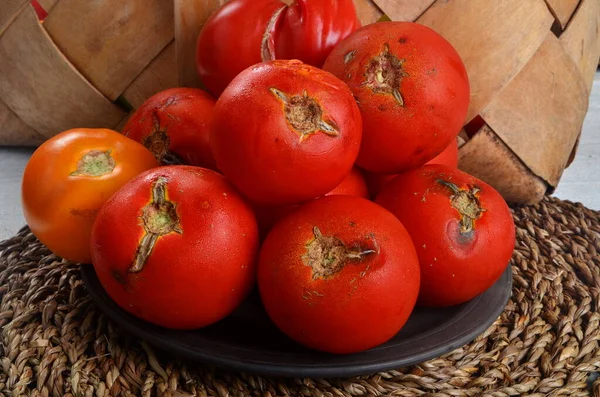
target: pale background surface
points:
(580, 182)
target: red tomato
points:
(353, 185)
(176, 247)
(340, 274)
(174, 125)
(245, 32)
(376, 182)
(412, 88)
(285, 132)
(462, 228)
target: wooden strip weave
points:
(55, 342)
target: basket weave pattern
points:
(531, 65)
(55, 342)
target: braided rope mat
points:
(55, 342)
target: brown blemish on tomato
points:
(119, 278)
(304, 114)
(84, 213)
(466, 202)
(158, 141)
(384, 74)
(328, 255)
(95, 163)
(158, 218)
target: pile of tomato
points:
(319, 166)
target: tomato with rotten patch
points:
(174, 125)
(412, 89)
(340, 274)
(284, 132)
(69, 177)
(462, 229)
(176, 247)
(245, 32)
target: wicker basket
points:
(531, 65)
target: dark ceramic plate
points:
(248, 341)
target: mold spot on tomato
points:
(466, 202)
(304, 114)
(158, 218)
(384, 74)
(327, 255)
(95, 163)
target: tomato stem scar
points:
(466, 202)
(267, 45)
(304, 114)
(384, 74)
(327, 255)
(158, 140)
(95, 163)
(159, 218)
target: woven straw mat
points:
(55, 342)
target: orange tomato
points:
(69, 177)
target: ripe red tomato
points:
(340, 274)
(176, 247)
(68, 179)
(284, 132)
(245, 32)
(174, 125)
(412, 88)
(376, 182)
(353, 185)
(462, 228)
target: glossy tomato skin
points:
(412, 88)
(60, 203)
(353, 185)
(284, 132)
(356, 308)
(376, 182)
(245, 32)
(457, 262)
(174, 125)
(198, 272)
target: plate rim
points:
(260, 367)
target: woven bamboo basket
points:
(531, 65)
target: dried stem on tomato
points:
(159, 218)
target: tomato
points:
(462, 228)
(376, 182)
(412, 88)
(69, 177)
(174, 125)
(176, 247)
(340, 274)
(245, 32)
(353, 185)
(284, 132)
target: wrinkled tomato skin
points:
(260, 151)
(59, 207)
(455, 266)
(184, 115)
(191, 278)
(353, 185)
(433, 86)
(364, 304)
(376, 182)
(232, 38)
